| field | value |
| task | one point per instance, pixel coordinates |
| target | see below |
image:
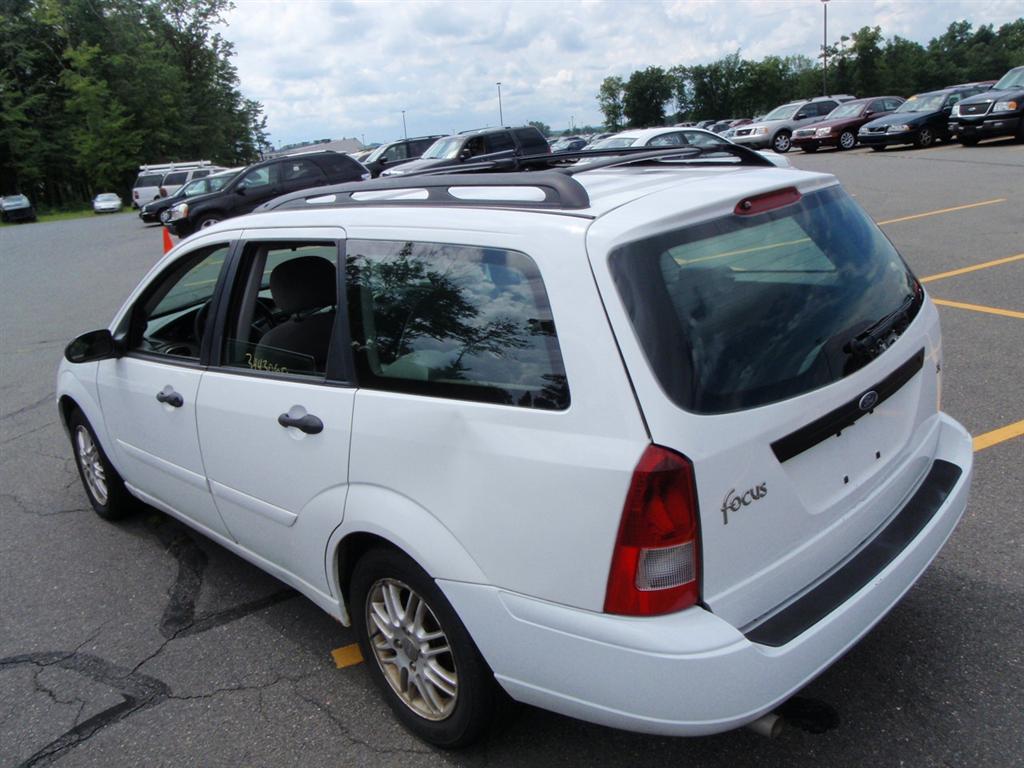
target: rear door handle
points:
(170, 397)
(298, 418)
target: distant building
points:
(338, 145)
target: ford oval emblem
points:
(868, 400)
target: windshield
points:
(375, 155)
(846, 110)
(742, 311)
(784, 112)
(1012, 79)
(443, 149)
(614, 142)
(927, 102)
(15, 200)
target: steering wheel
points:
(262, 317)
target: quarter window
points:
(171, 318)
(282, 310)
(453, 321)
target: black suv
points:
(397, 152)
(997, 112)
(479, 145)
(261, 182)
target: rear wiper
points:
(878, 337)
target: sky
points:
(348, 68)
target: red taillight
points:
(768, 202)
(656, 563)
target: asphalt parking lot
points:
(141, 644)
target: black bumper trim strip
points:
(833, 422)
(803, 614)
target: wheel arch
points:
(377, 517)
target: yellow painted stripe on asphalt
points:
(1000, 435)
(980, 308)
(943, 210)
(973, 268)
(743, 251)
(347, 655)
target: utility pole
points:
(824, 52)
(501, 116)
(405, 133)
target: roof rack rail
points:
(561, 192)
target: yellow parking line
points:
(943, 210)
(973, 268)
(347, 656)
(980, 308)
(1000, 435)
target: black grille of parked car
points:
(975, 109)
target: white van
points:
(156, 181)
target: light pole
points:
(824, 52)
(405, 133)
(501, 115)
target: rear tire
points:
(419, 653)
(103, 485)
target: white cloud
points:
(333, 69)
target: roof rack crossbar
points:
(561, 192)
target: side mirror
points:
(239, 190)
(92, 346)
(382, 160)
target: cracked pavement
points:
(141, 643)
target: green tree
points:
(645, 95)
(609, 97)
(544, 128)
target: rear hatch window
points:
(746, 310)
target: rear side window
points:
(499, 142)
(340, 167)
(743, 311)
(531, 140)
(200, 174)
(149, 180)
(453, 321)
(178, 177)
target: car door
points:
(149, 394)
(275, 411)
(256, 187)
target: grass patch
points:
(65, 215)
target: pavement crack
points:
(49, 398)
(347, 734)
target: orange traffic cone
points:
(168, 243)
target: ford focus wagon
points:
(650, 443)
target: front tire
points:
(847, 140)
(208, 220)
(782, 143)
(924, 139)
(419, 653)
(103, 485)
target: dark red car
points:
(840, 126)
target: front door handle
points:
(170, 397)
(298, 418)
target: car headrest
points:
(308, 282)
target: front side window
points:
(178, 177)
(282, 309)
(260, 177)
(742, 311)
(453, 321)
(397, 152)
(170, 320)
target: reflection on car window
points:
(259, 177)
(172, 317)
(454, 321)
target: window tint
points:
(171, 317)
(178, 177)
(499, 142)
(530, 139)
(260, 177)
(824, 107)
(743, 311)
(149, 180)
(417, 148)
(341, 167)
(300, 170)
(200, 174)
(453, 321)
(892, 104)
(397, 152)
(282, 310)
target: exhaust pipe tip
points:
(769, 726)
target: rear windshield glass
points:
(742, 311)
(149, 180)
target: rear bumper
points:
(691, 673)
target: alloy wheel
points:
(89, 460)
(411, 649)
(847, 140)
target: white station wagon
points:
(648, 443)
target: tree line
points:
(863, 63)
(91, 89)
